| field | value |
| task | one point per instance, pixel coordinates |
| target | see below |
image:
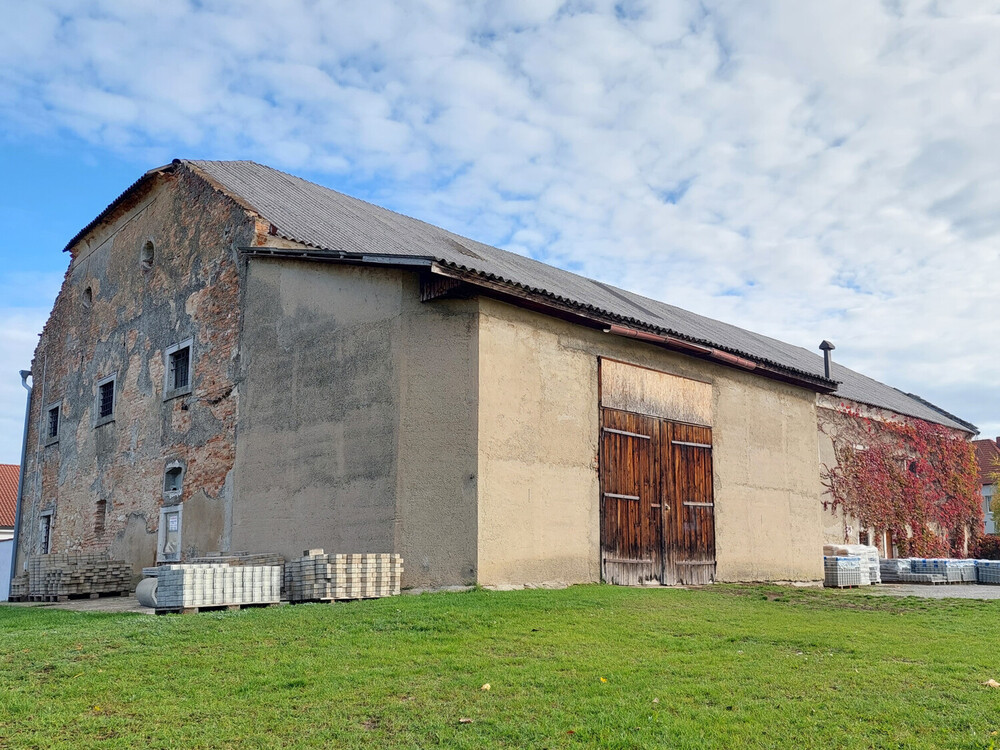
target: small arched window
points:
(147, 256)
(88, 297)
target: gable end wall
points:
(191, 291)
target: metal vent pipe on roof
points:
(827, 347)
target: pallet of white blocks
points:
(867, 553)
(844, 571)
(321, 577)
(70, 575)
(988, 571)
(952, 571)
(892, 569)
(187, 588)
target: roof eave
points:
(548, 304)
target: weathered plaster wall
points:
(358, 433)
(538, 435)
(190, 291)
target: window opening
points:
(173, 479)
(88, 297)
(146, 256)
(106, 399)
(45, 533)
(180, 366)
(52, 427)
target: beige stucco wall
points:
(538, 437)
(358, 433)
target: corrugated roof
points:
(326, 220)
(8, 493)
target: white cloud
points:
(808, 170)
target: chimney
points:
(827, 347)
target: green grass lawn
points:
(590, 666)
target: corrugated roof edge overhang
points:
(587, 314)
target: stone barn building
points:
(242, 360)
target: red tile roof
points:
(987, 455)
(8, 493)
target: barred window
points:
(105, 405)
(52, 427)
(177, 360)
(180, 363)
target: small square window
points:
(106, 398)
(52, 424)
(173, 480)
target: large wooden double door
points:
(657, 508)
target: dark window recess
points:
(100, 514)
(172, 479)
(106, 401)
(53, 430)
(180, 368)
(46, 534)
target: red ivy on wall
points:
(916, 479)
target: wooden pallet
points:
(213, 608)
(68, 597)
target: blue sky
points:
(807, 170)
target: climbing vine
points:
(916, 479)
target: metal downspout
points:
(25, 374)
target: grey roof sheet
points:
(327, 220)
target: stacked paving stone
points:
(867, 553)
(188, 586)
(952, 571)
(18, 589)
(321, 577)
(70, 574)
(840, 571)
(245, 558)
(987, 571)
(892, 569)
(240, 558)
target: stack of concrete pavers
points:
(952, 571)
(18, 589)
(892, 569)
(242, 559)
(320, 577)
(840, 571)
(189, 586)
(987, 571)
(239, 558)
(867, 553)
(71, 574)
